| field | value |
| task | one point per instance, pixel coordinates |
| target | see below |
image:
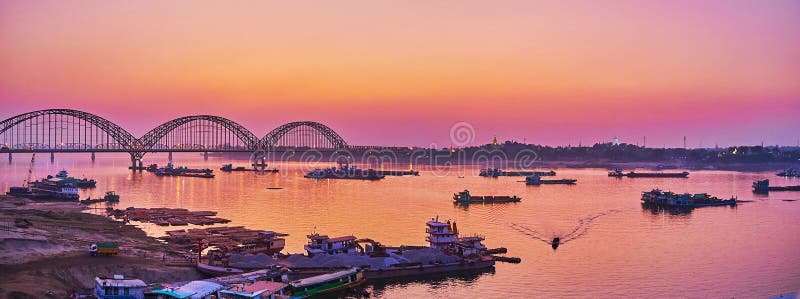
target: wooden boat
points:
(327, 283)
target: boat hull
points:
(410, 271)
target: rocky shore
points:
(44, 250)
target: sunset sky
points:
(403, 72)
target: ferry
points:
(464, 197)
(496, 172)
(326, 283)
(632, 174)
(345, 172)
(536, 180)
(763, 186)
(669, 199)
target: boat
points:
(230, 168)
(669, 199)
(496, 172)
(464, 197)
(170, 170)
(80, 183)
(327, 283)
(790, 172)
(633, 174)
(345, 172)
(322, 244)
(109, 197)
(53, 189)
(555, 242)
(763, 186)
(537, 180)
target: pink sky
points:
(402, 73)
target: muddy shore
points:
(51, 255)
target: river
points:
(614, 247)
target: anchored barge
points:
(790, 173)
(230, 168)
(669, 199)
(169, 170)
(536, 180)
(345, 172)
(496, 172)
(618, 173)
(109, 197)
(464, 197)
(763, 187)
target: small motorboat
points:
(555, 242)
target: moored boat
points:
(763, 186)
(345, 172)
(327, 283)
(465, 197)
(536, 180)
(496, 172)
(633, 174)
(669, 199)
(790, 172)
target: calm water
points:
(619, 249)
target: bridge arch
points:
(303, 134)
(55, 129)
(199, 132)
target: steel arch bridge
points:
(66, 130)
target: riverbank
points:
(48, 251)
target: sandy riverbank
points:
(52, 254)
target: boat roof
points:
(258, 288)
(322, 278)
(197, 287)
(340, 239)
(120, 281)
(436, 223)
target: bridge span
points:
(73, 131)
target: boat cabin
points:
(471, 245)
(194, 290)
(119, 287)
(257, 289)
(318, 244)
(441, 235)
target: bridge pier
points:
(9, 157)
(205, 156)
(92, 156)
(52, 157)
(169, 157)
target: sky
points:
(404, 72)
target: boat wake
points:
(584, 224)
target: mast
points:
(30, 172)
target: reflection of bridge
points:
(64, 130)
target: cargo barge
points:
(397, 172)
(763, 187)
(536, 180)
(345, 172)
(669, 199)
(230, 168)
(496, 172)
(632, 174)
(169, 170)
(464, 197)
